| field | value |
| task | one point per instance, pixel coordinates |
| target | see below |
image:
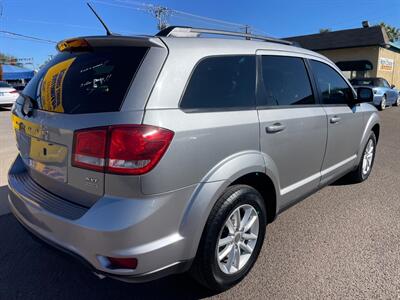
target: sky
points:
(56, 20)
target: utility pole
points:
(161, 14)
(247, 30)
(1, 12)
(1, 17)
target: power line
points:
(27, 36)
(193, 17)
(179, 12)
(163, 13)
(57, 23)
(22, 39)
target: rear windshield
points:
(86, 82)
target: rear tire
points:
(364, 168)
(236, 205)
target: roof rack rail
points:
(183, 31)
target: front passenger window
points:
(332, 86)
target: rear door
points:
(79, 88)
(293, 125)
(345, 121)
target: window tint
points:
(333, 87)
(86, 82)
(286, 81)
(365, 81)
(379, 83)
(385, 83)
(222, 82)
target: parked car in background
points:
(147, 156)
(384, 93)
(8, 94)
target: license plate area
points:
(45, 157)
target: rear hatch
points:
(83, 86)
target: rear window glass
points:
(86, 82)
(222, 82)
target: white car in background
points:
(8, 94)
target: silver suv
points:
(147, 156)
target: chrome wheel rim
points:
(237, 239)
(368, 157)
(398, 101)
(383, 103)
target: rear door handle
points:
(335, 120)
(277, 127)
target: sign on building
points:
(386, 64)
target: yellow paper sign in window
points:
(52, 85)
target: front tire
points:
(382, 106)
(364, 168)
(232, 238)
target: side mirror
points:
(392, 86)
(364, 94)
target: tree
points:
(392, 32)
(324, 30)
(8, 59)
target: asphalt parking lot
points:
(342, 242)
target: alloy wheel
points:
(383, 103)
(368, 157)
(237, 239)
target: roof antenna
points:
(100, 19)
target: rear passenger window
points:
(222, 82)
(333, 87)
(286, 81)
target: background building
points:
(360, 52)
(15, 75)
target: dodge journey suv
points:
(153, 155)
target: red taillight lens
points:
(122, 149)
(90, 149)
(122, 263)
(14, 92)
(136, 149)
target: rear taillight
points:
(14, 92)
(122, 149)
(90, 149)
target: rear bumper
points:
(112, 227)
(176, 268)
